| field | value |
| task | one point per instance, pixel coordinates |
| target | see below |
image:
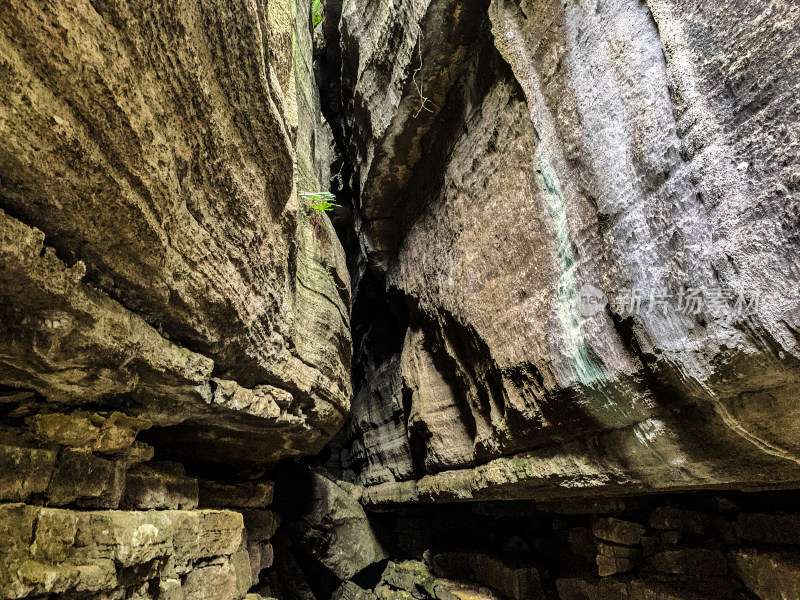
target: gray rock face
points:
(336, 531)
(152, 234)
(379, 451)
(590, 212)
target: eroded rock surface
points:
(335, 530)
(155, 255)
(590, 213)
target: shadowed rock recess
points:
(568, 236)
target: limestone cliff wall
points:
(174, 319)
(155, 256)
(589, 212)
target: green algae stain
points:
(575, 348)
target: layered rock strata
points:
(678, 547)
(156, 257)
(174, 318)
(85, 512)
(590, 214)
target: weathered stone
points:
(452, 590)
(220, 533)
(92, 432)
(157, 485)
(131, 538)
(186, 540)
(518, 179)
(516, 583)
(609, 565)
(55, 534)
(692, 561)
(47, 578)
(133, 265)
(410, 576)
(769, 529)
(618, 531)
(259, 525)
(97, 575)
(87, 480)
(336, 530)
(170, 589)
(24, 471)
(261, 557)
(616, 559)
(214, 582)
(105, 555)
(16, 529)
(376, 443)
(616, 551)
(386, 592)
(350, 591)
(769, 575)
(235, 495)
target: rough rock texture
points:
(670, 547)
(63, 478)
(155, 255)
(770, 575)
(379, 448)
(118, 554)
(413, 579)
(335, 530)
(590, 213)
(174, 317)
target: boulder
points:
(769, 575)
(336, 530)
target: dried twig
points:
(420, 85)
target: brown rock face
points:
(151, 232)
(589, 211)
(116, 554)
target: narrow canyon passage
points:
(400, 300)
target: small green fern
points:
(324, 201)
(316, 12)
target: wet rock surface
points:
(585, 211)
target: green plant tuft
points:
(324, 201)
(316, 12)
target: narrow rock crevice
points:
(543, 348)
